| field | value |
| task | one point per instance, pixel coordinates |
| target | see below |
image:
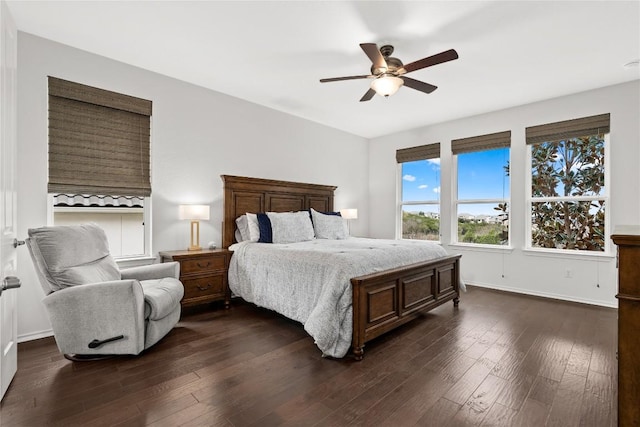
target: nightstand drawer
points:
(203, 274)
(202, 265)
(204, 286)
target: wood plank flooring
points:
(501, 359)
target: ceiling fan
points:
(389, 73)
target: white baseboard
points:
(35, 335)
(543, 294)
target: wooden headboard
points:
(242, 195)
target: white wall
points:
(594, 279)
(197, 135)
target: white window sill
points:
(134, 261)
(481, 248)
(437, 242)
(561, 253)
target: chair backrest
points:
(71, 255)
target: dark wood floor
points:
(500, 359)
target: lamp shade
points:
(194, 212)
(349, 213)
(386, 85)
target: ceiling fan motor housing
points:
(395, 67)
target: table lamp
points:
(349, 214)
(195, 213)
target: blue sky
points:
(481, 175)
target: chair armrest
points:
(153, 271)
(83, 313)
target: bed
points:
(379, 301)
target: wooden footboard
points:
(385, 300)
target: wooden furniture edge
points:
(627, 238)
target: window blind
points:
(568, 129)
(482, 142)
(423, 152)
(99, 141)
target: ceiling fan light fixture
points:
(386, 85)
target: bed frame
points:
(382, 301)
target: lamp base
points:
(194, 244)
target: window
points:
(122, 219)
(99, 163)
(569, 191)
(482, 178)
(419, 206)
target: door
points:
(8, 161)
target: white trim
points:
(428, 202)
(543, 294)
(148, 240)
(568, 254)
(569, 198)
(35, 335)
(481, 247)
(125, 262)
(398, 200)
(481, 201)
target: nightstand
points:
(203, 274)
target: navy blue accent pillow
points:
(264, 224)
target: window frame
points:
(455, 202)
(608, 250)
(400, 203)
(146, 215)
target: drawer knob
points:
(204, 266)
(204, 288)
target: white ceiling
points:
(273, 53)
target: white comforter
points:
(310, 281)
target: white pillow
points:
(290, 227)
(254, 230)
(242, 228)
(329, 226)
(248, 227)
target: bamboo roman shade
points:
(482, 142)
(423, 152)
(575, 128)
(98, 141)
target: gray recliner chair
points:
(96, 309)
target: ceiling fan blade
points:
(367, 96)
(337, 79)
(439, 58)
(418, 85)
(372, 51)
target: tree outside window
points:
(568, 194)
